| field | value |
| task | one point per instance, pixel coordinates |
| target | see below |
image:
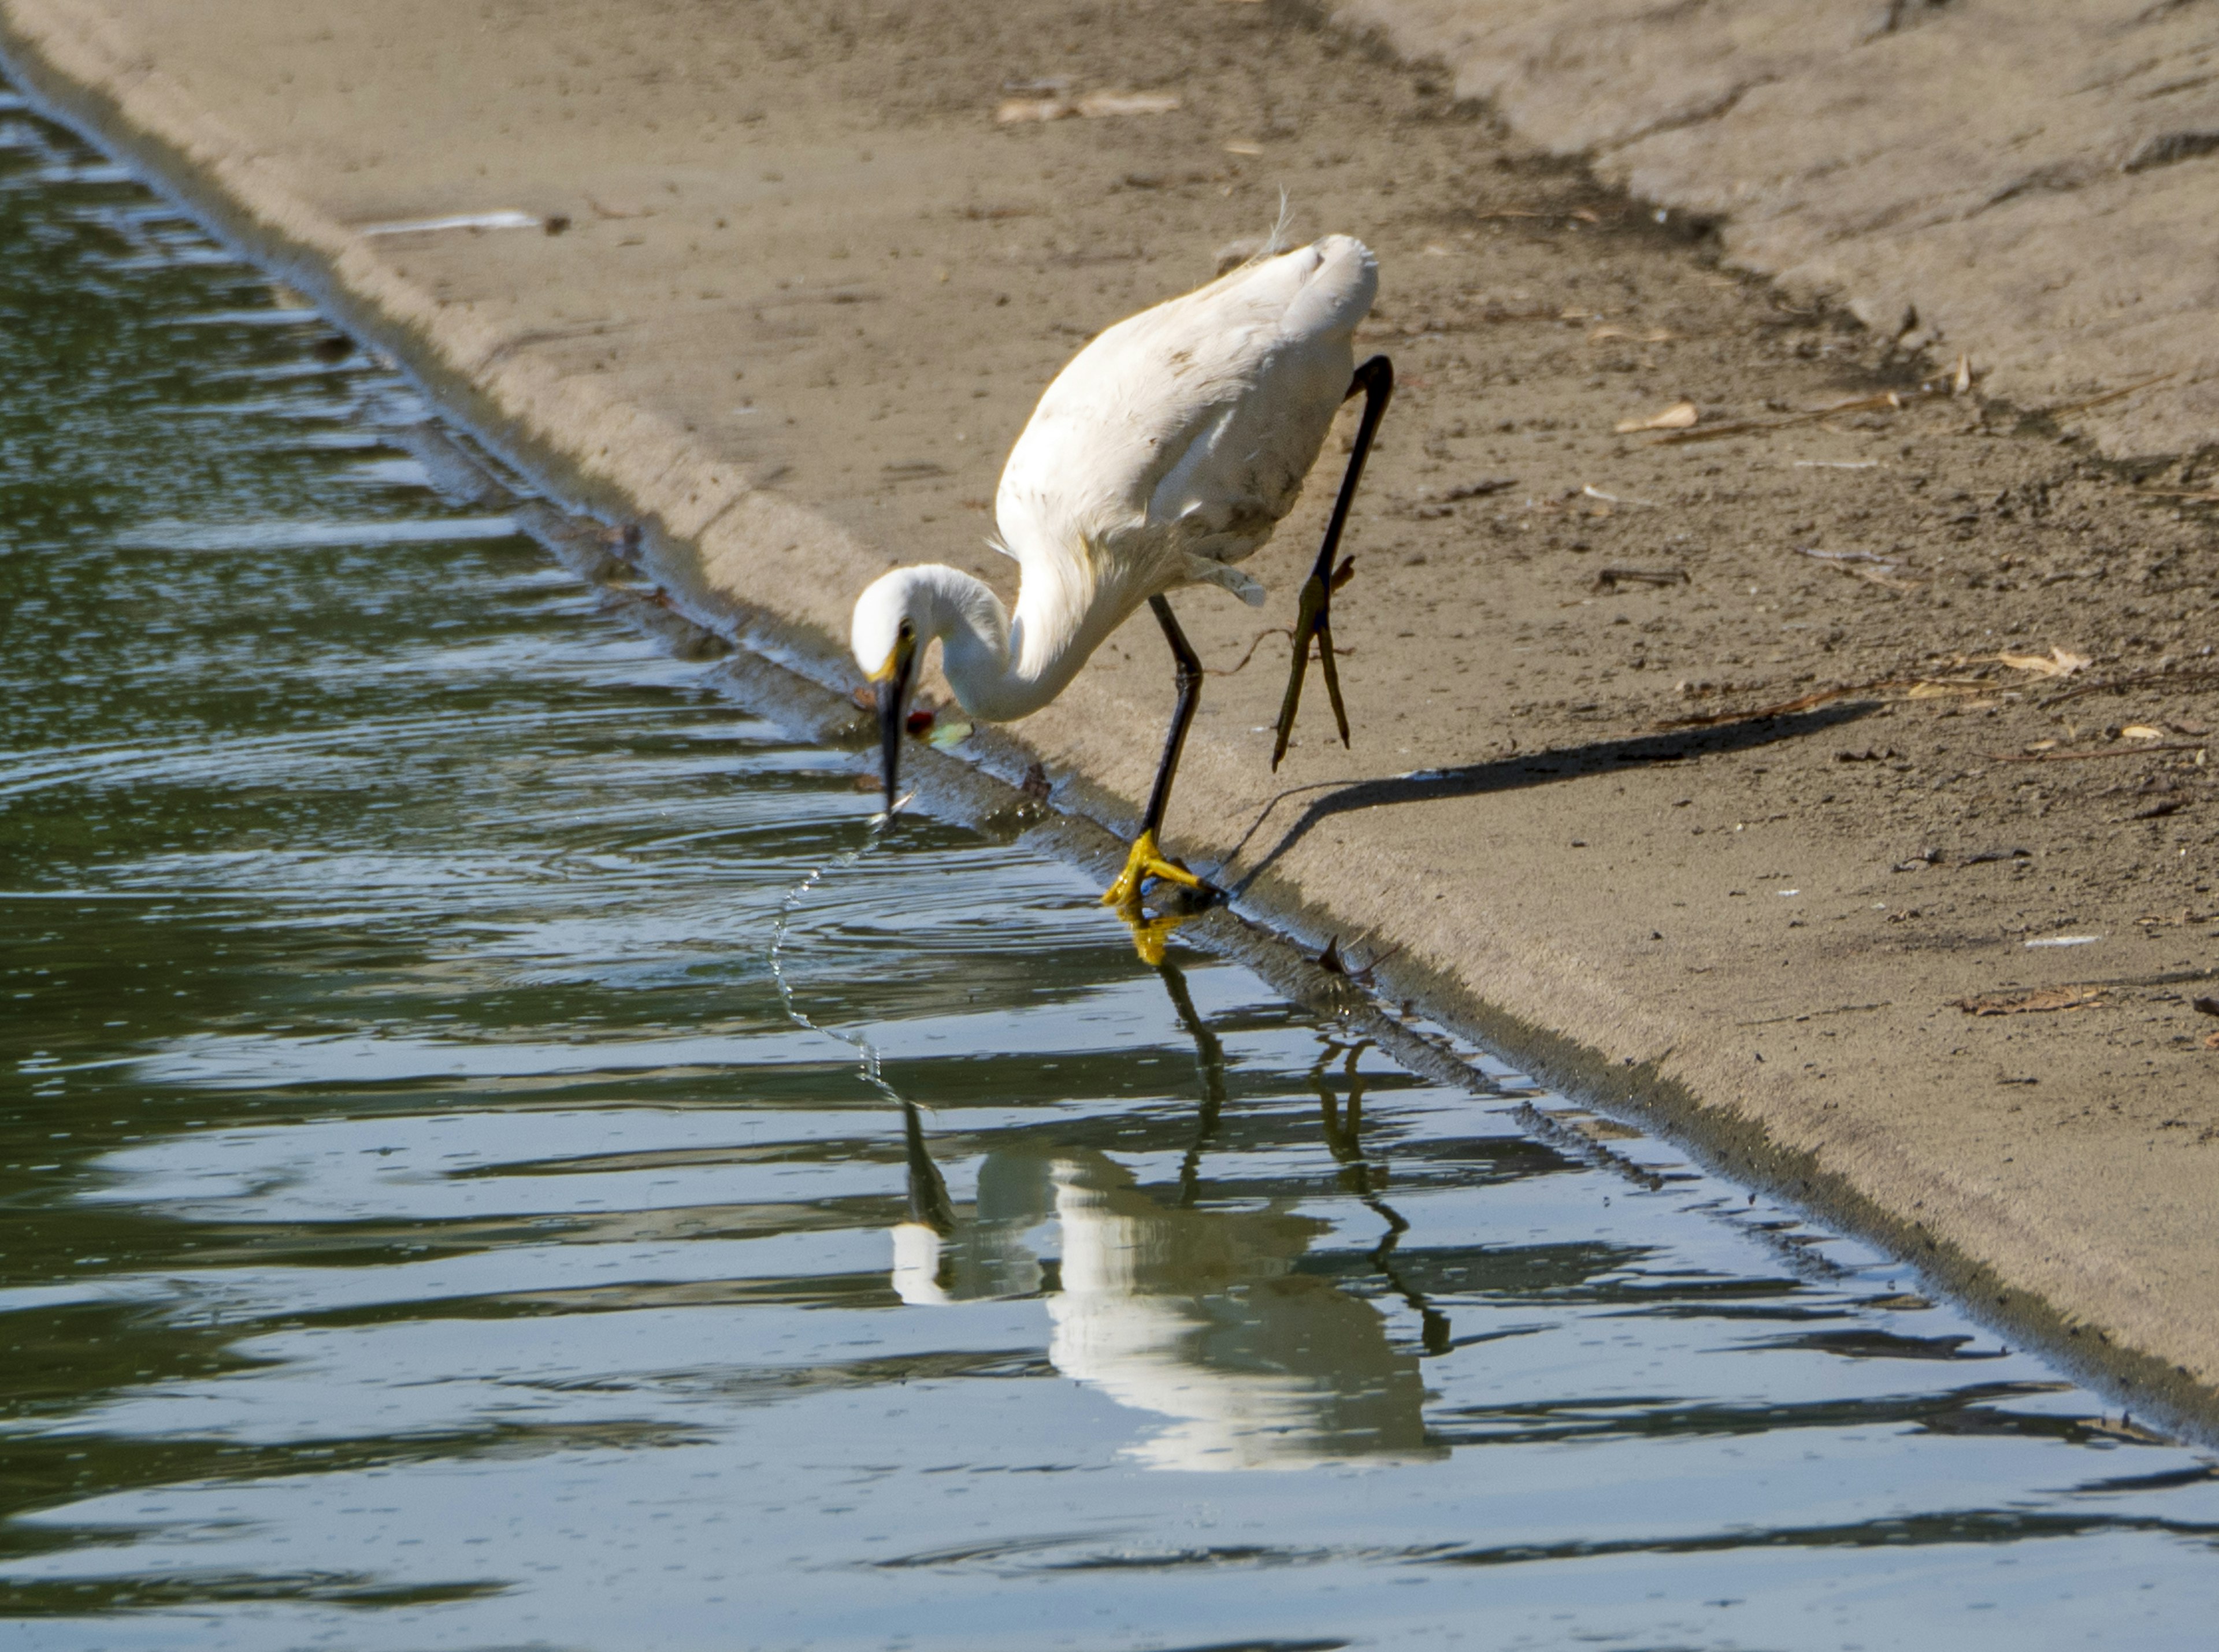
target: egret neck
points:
(1000, 668)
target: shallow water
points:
(426, 1226)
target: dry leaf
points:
(2140, 731)
(1961, 380)
(1932, 689)
(2040, 1001)
(1654, 336)
(2060, 662)
(1679, 416)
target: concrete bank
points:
(2031, 185)
(782, 291)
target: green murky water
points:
(421, 1224)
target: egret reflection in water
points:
(1183, 1310)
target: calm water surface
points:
(424, 1227)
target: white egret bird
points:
(1162, 455)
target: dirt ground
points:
(2031, 185)
(800, 274)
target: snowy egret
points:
(1165, 453)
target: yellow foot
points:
(1149, 934)
(1146, 861)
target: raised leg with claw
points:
(1148, 860)
(1375, 379)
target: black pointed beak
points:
(893, 711)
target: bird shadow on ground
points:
(1540, 768)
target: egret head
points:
(889, 631)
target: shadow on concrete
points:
(1542, 768)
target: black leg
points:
(1209, 1063)
(1146, 859)
(1375, 379)
(1189, 697)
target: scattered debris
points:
(2100, 400)
(2204, 1006)
(1035, 785)
(1679, 416)
(1611, 578)
(1837, 465)
(2140, 679)
(1592, 492)
(2140, 731)
(2060, 662)
(1268, 631)
(1886, 400)
(1787, 708)
(1987, 855)
(505, 219)
(945, 736)
(1059, 106)
(1923, 859)
(1865, 565)
(1333, 962)
(2087, 756)
(2066, 940)
(1479, 489)
(2040, 1001)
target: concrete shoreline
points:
(2096, 1248)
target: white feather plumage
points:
(1166, 453)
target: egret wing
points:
(1173, 444)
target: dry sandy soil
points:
(805, 288)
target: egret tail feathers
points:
(1203, 570)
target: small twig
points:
(2097, 402)
(2086, 756)
(1788, 707)
(1813, 1015)
(1892, 400)
(2134, 680)
(1268, 631)
(1611, 577)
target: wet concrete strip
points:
(774, 275)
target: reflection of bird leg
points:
(1341, 1140)
(927, 1192)
(1375, 379)
(1433, 1330)
(1209, 1063)
(1148, 860)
